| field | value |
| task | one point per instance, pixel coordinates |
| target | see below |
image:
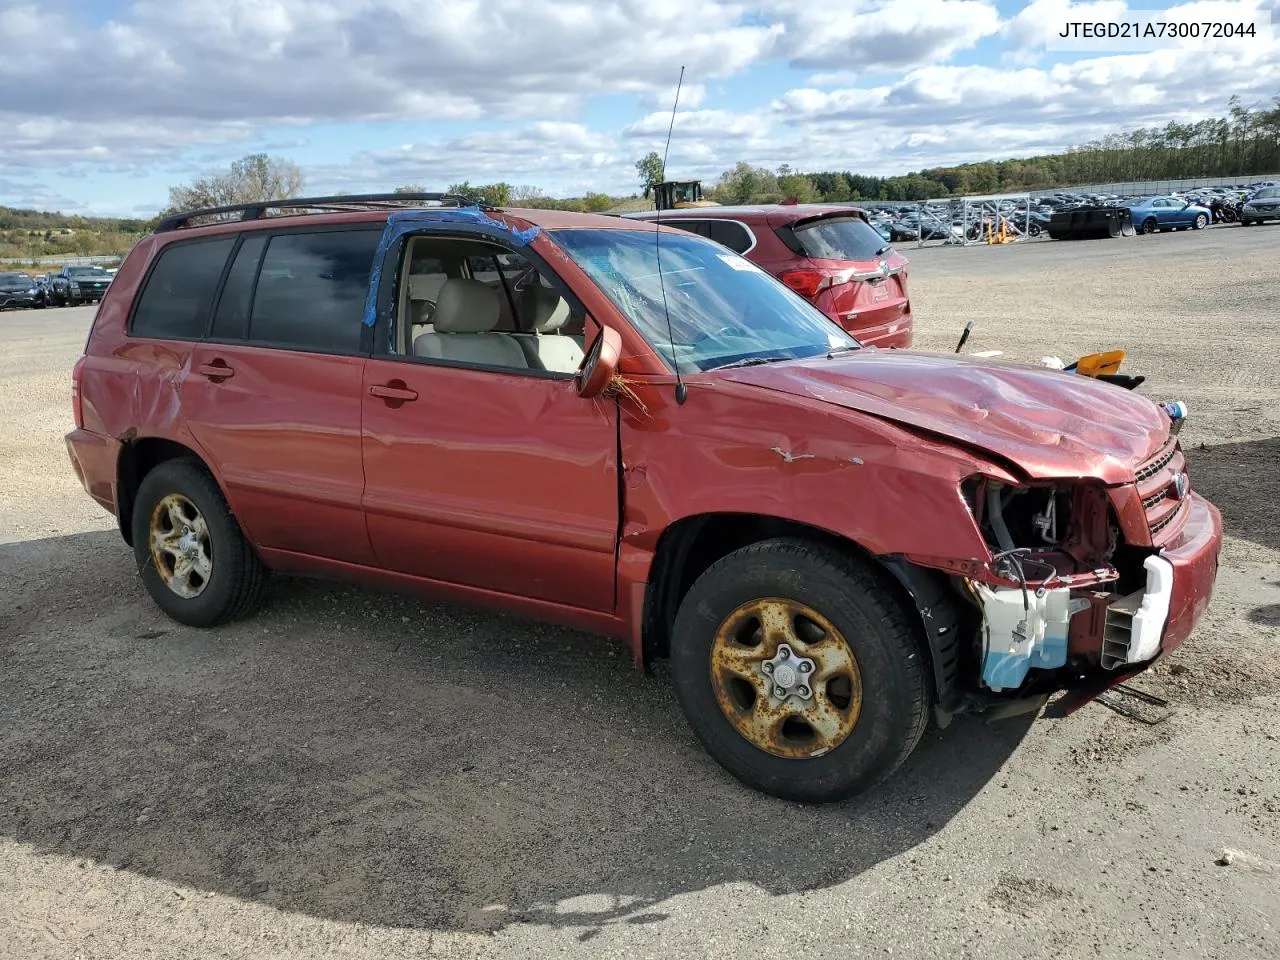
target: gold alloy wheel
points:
(786, 679)
(180, 547)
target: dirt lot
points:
(356, 775)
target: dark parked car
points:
(828, 254)
(548, 414)
(72, 286)
(1261, 207)
(19, 290)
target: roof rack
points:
(255, 210)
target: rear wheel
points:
(192, 556)
(799, 670)
(1149, 225)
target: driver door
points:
(481, 469)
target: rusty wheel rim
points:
(180, 547)
(786, 678)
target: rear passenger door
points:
(273, 393)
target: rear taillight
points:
(806, 282)
(77, 401)
(809, 282)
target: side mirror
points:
(600, 363)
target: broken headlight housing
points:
(1011, 517)
(1066, 524)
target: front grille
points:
(1152, 467)
(1162, 501)
(1168, 518)
(1153, 501)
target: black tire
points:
(238, 578)
(1201, 222)
(1034, 230)
(862, 605)
(1149, 225)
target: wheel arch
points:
(138, 457)
(688, 546)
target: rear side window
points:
(839, 238)
(174, 305)
(311, 290)
(733, 235)
(232, 318)
(691, 226)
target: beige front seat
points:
(465, 315)
(424, 290)
(546, 312)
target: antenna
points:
(681, 390)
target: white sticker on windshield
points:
(739, 263)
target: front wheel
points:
(1201, 222)
(799, 670)
(192, 556)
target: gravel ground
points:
(357, 775)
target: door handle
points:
(217, 370)
(393, 392)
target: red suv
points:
(549, 414)
(828, 254)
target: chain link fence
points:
(1134, 188)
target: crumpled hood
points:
(1051, 424)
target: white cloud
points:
(893, 34)
(360, 60)
(1087, 96)
(170, 87)
(1037, 19)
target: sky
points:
(106, 103)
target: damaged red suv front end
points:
(1091, 557)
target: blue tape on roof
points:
(467, 219)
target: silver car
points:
(1263, 205)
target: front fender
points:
(877, 484)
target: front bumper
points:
(1194, 558)
(1094, 635)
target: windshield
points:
(723, 308)
(16, 278)
(86, 272)
(839, 238)
(1270, 193)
